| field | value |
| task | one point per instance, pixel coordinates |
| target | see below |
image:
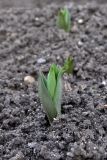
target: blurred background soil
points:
(39, 3)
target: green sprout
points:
(64, 19)
(50, 88)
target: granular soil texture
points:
(30, 41)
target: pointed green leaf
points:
(68, 66)
(46, 99)
(56, 70)
(58, 94)
(67, 20)
(51, 81)
(60, 19)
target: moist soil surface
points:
(30, 41)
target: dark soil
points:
(25, 37)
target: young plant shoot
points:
(64, 19)
(50, 88)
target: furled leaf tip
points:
(64, 19)
(68, 65)
(51, 81)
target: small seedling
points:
(64, 19)
(50, 88)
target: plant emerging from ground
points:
(50, 88)
(64, 19)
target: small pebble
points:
(29, 79)
(41, 61)
(36, 19)
(74, 29)
(80, 43)
(32, 144)
(18, 42)
(86, 113)
(58, 57)
(69, 154)
(80, 21)
(104, 83)
(14, 35)
(21, 57)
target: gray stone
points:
(41, 61)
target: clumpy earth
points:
(30, 41)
